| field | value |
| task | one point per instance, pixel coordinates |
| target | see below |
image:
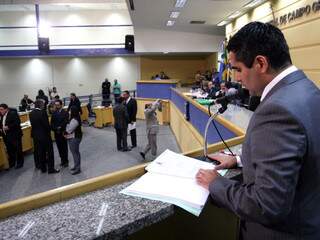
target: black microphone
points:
(231, 95)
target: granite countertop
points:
(85, 217)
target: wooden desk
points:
(163, 116)
(24, 116)
(27, 142)
(4, 164)
(104, 116)
(85, 112)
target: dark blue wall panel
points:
(199, 120)
(154, 90)
(178, 101)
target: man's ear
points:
(261, 64)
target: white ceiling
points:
(155, 13)
(147, 14)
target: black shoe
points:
(133, 146)
(18, 166)
(119, 149)
(143, 155)
(64, 165)
(76, 172)
(126, 150)
(72, 169)
(53, 171)
(43, 170)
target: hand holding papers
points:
(171, 178)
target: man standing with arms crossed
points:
(280, 193)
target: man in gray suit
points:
(279, 197)
(152, 127)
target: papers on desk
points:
(171, 178)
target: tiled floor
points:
(99, 156)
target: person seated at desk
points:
(53, 94)
(211, 90)
(25, 103)
(163, 75)
(11, 132)
(157, 77)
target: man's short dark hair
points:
(73, 94)
(257, 38)
(3, 105)
(59, 101)
(127, 92)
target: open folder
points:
(171, 178)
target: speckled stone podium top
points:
(83, 217)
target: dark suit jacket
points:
(132, 109)
(76, 102)
(121, 117)
(13, 123)
(280, 194)
(59, 121)
(41, 130)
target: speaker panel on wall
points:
(43, 45)
(129, 43)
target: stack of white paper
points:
(171, 178)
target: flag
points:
(223, 63)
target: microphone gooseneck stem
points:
(205, 150)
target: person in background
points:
(25, 103)
(116, 89)
(12, 135)
(42, 142)
(121, 120)
(42, 96)
(106, 92)
(74, 135)
(59, 122)
(157, 77)
(131, 105)
(152, 127)
(197, 79)
(163, 75)
(53, 94)
(211, 90)
(74, 101)
(208, 75)
(279, 195)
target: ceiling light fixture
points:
(235, 14)
(222, 23)
(253, 3)
(180, 3)
(174, 14)
(170, 23)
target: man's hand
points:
(6, 128)
(226, 161)
(205, 177)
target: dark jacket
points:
(121, 117)
(76, 102)
(280, 193)
(106, 87)
(25, 104)
(41, 130)
(59, 121)
(13, 123)
(132, 110)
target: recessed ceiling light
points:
(180, 3)
(235, 14)
(222, 23)
(174, 14)
(253, 3)
(170, 23)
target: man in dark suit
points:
(11, 132)
(41, 134)
(280, 194)
(59, 121)
(74, 101)
(106, 92)
(121, 119)
(131, 105)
